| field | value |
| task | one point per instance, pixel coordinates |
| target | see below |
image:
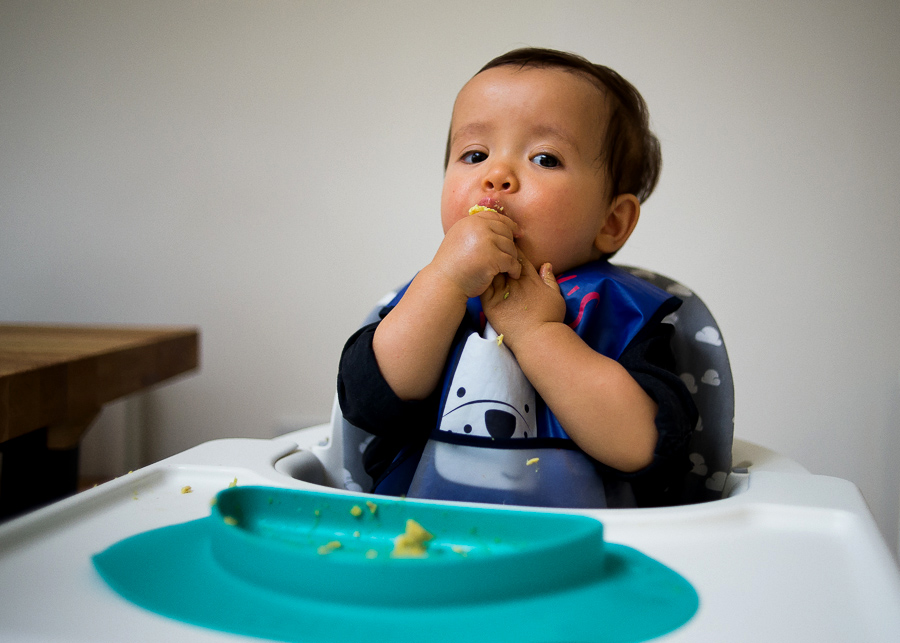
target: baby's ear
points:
(622, 217)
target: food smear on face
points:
(475, 209)
(411, 543)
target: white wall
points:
(266, 170)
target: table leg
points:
(32, 474)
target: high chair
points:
(772, 552)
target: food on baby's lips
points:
(486, 204)
(411, 544)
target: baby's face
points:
(529, 140)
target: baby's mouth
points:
(487, 203)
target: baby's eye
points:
(474, 157)
(546, 160)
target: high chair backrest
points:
(701, 362)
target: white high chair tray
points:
(794, 557)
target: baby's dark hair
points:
(630, 150)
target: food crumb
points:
(506, 295)
(186, 489)
(230, 520)
(532, 461)
(483, 208)
(372, 553)
(411, 543)
(356, 534)
(329, 547)
(233, 483)
(500, 339)
(372, 507)
(462, 550)
(355, 511)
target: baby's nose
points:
(500, 177)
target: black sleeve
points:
(649, 360)
(367, 400)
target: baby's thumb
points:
(548, 277)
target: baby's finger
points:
(509, 224)
(548, 277)
(513, 266)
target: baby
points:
(520, 366)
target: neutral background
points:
(266, 170)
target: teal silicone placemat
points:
(294, 565)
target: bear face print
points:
(489, 395)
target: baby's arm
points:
(412, 342)
(602, 408)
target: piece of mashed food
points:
(482, 208)
(411, 543)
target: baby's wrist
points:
(538, 334)
(443, 285)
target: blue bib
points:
(495, 440)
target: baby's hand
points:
(517, 306)
(477, 249)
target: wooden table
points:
(53, 382)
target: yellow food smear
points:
(500, 339)
(355, 511)
(411, 543)
(372, 507)
(482, 208)
(329, 547)
(230, 521)
(186, 489)
(233, 483)
(372, 553)
(531, 461)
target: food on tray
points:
(329, 547)
(230, 520)
(355, 511)
(372, 507)
(411, 543)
